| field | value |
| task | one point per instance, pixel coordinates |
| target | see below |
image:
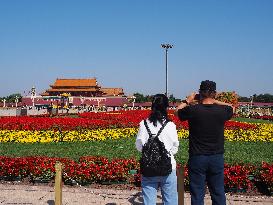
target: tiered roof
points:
(89, 82)
(87, 85)
(112, 91)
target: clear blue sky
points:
(118, 42)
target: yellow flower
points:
(263, 132)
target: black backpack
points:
(155, 159)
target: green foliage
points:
(123, 148)
(265, 98)
(11, 98)
(140, 98)
(251, 120)
(235, 152)
(173, 99)
(248, 152)
(243, 99)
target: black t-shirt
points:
(206, 127)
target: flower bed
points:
(262, 133)
(114, 125)
(87, 170)
(237, 178)
(264, 117)
(47, 136)
(94, 169)
(264, 175)
(109, 125)
(91, 120)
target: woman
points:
(168, 136)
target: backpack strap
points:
(159, 132)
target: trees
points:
(265, 98)
(243, 99)
(11, 98)
(173, 99)
(140, 98)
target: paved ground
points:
(44, 195)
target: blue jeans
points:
(210, 169)
(168, 185)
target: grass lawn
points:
(235, 152)
(251, 120)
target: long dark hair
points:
(159, 112)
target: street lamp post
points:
(16, 101)
(166, 47)
(251, 100)
(4, 101)
(134, 100)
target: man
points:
(206, 117)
